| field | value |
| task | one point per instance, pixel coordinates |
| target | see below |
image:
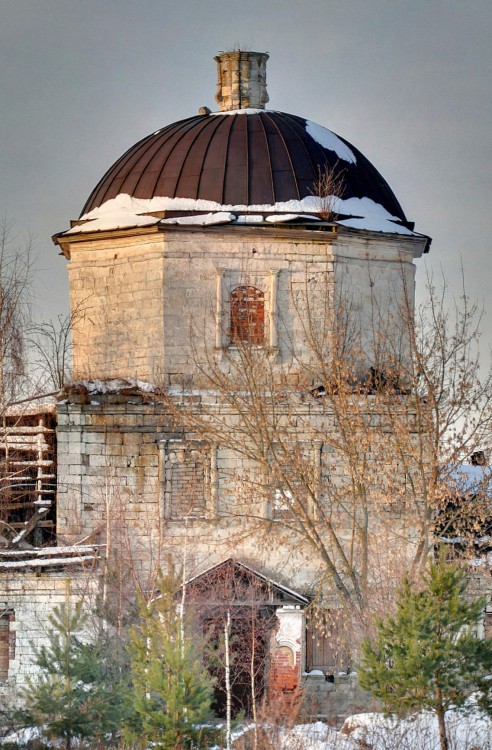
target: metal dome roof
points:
(242, 157)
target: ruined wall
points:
(127, 472)
(28, 597)
(287, 657)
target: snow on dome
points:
(242, 158)
(331, 141)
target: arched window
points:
(247, 315)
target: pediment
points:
(234, 582)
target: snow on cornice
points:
(115, 385)
(125, 211)
(244, 111)
(220, 217)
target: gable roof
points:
(272, 592)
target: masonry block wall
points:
(27, 600)
(127, 472)
(160, 305)
(116, 298)
(154, 304)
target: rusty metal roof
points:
(234, 159)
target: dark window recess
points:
(247, 316)
(7, 643)
(28, 477)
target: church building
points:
(217, 270)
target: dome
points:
(248, 158)
(244, 159)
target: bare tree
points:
(361, 460)
(51, 343)
(328, 188)
(15, 279)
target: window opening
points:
(7, 644)
(247, 316)
(28, 477)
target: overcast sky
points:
(409, 82)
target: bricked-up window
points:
(187, 479)
(7, 644)
(247, 316)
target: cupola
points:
(243, 159)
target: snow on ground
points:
(371, 731)
(377, 732)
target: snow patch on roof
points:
(245, 111)
(202, 220)
(116, 385)
(368, 215)
(124, 212)
(279, 218)
(372, 224)
(331, 141)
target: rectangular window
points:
(7, 644)
(247, 309)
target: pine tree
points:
(172, 690)
(76, 695)
(427, 656)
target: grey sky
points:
(407, 82)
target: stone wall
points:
(332, 698)
(29, 598)
(154, 305)
(124, 470)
